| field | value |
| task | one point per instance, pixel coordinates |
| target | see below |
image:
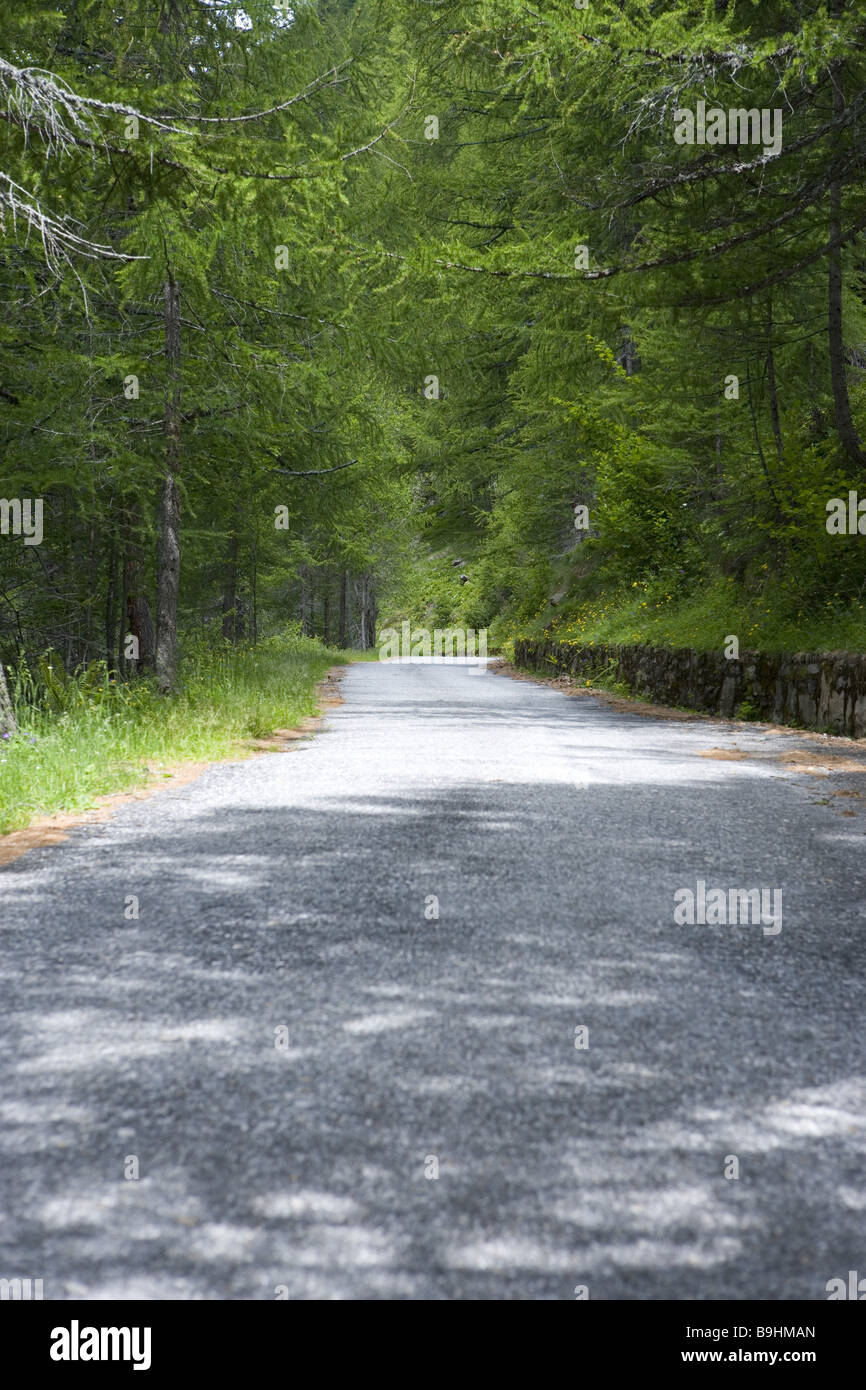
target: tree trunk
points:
(362, 606)
(136, 608)
(111, 603)
(819, 428)
(344, 596)
(7, 714)
(168, 577)
(838, 375)
(124, 600)
(92, 593)
(717, 450)
(326, 605)
(373, 613)
(771, 384)
(305, 626)
(253, 624)
(764, 469)
(230, 593)
(368, 614)
(628, 357)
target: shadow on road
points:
(297, 1160)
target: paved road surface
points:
(289, 892)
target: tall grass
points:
(87, 734)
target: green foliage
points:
(653, 613)
(109, 737)
(332, 260)
(609, 389)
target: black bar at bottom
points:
(163, 1340)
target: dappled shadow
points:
(450, 1039)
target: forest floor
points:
(405, 1012)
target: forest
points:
(327, 314)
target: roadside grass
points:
(649, 613)
(83, 736)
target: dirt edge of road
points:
(53, 829)
(569, 686)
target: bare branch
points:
(310, 472)
(56, 234)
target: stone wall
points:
(814, 690)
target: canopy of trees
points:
(309, 301)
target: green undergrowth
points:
(703, 620)
(87, 734)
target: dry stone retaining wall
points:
(814, 690)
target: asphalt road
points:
(290, 1046)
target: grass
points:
(84, 736)
(648, 613)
